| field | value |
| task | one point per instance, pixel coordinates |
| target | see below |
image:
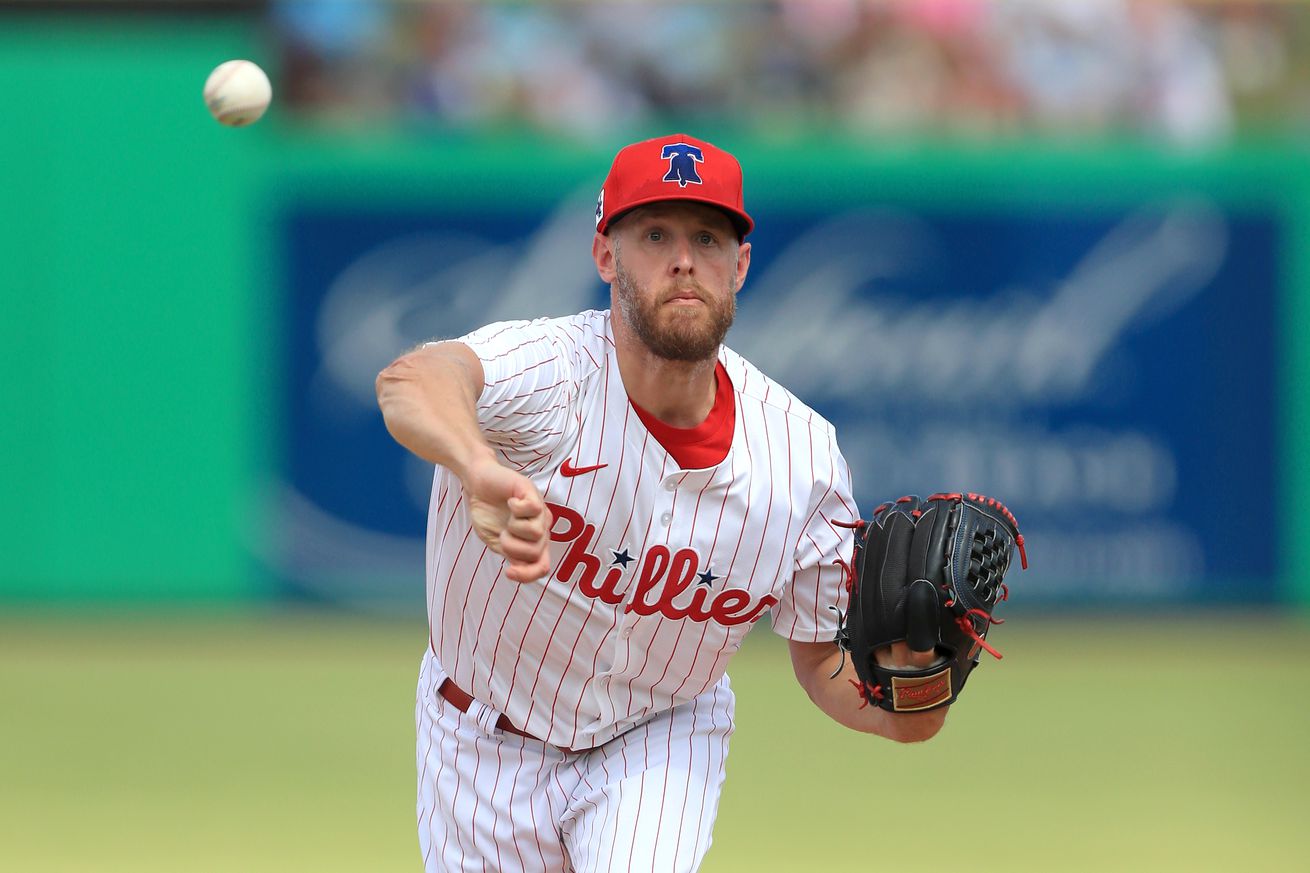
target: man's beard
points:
(685, 336)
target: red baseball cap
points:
(676, 167)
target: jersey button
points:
(670, 485)
(666, 518)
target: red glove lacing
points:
(867, 692)
(848, 567)
(964, 620)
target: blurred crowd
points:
(1187, 73)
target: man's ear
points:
(602, 252)
(743, 264)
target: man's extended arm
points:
(428, 399)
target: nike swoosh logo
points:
(567, 469)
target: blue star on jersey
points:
(682, 160)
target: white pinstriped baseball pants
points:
(643, 802)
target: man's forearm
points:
(428, 399)
(839, 698)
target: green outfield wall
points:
(141, 314)
(131, 323)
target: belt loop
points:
(485, 716)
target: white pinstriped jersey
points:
(657, 572)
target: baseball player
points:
(618, 498)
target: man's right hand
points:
(511, 517)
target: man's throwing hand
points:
(511, 517)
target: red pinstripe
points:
(547, 433)
(768, 512)
(686, 790)
(526, 369)
(531, 412)
(459, 639)
(849, 506)
(705, 626)
(593, 830)
(477, 635)
(536, 827)
(731, 564)
(809, 520)
(627, 643)
(513, 681)
(622, 538)
(436, 782)
(591, 493)
(532, 692)
(851, 511)
(563, 796)
(623, 753)
(705, 785)
(513, 678)
(682, 625)
(572, 649)
(641, 794)
(433, 548)
(446, 603)
(590, 677)
(514, 833)
(632, 677)
(454, 801)
(664, 792)
(597, 828)
(791, 518)
(527, 394)
(813, 477)
(500, 632)
(508, 326)
(817, 512)
(477, 798)
(746, 513)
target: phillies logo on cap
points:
(682, 159)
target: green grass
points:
(275, 743)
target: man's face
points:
(677, 268)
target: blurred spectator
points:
(1188, 73)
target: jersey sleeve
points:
(531, 377)
(807, 610)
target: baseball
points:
(237, 93)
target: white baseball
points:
(237, 93)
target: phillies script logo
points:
(661, 577)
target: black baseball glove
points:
(928, 573)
